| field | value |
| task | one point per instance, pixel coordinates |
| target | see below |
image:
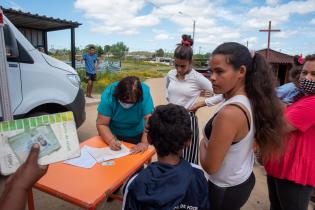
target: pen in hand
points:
(115, 144)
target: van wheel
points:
(36, 114)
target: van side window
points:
(24, 57)
(14, 50)
(11, 48)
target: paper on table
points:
(105, 153)
(84, 161)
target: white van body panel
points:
(58, 64)
(43, 83)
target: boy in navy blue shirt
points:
(171, 182)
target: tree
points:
(98, 49)
(159, 53)
(106, 49)
(119, 50)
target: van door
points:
(14, 72)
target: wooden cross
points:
(269, 30)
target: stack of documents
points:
(91, 155)
(56, 135)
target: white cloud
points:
(163, 37)
(252, 41)
(259, 16)
(216, 21)
(119, 17)
(272, 2)
(246, 1)
(286, 34)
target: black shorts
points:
(90, 77)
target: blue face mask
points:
(125, 105)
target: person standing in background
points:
(91, 64)
(183, 87)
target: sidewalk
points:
(93, 101)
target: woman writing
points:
(125, 106)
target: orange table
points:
(88, 187)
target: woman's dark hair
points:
(169, 129)
(129, 88)
(295, 73)
(183, 50)
(260, 88)
(309, 58)
(296, 69)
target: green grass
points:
(141, 69)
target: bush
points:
(105, 78)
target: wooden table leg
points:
(30, 200)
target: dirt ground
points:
(257, 201)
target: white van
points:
(38, 83)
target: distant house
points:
(281, 64)
(163, 60)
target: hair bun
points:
(298, 60)
(187, 40)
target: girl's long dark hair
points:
(260, 89)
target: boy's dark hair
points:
(169, 129)
(183, 50)
(91, 47)
(129, 88)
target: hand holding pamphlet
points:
(55, 134)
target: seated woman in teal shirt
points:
(125, 107)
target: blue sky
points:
(153, 24)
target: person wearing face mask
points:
(291, 177)
(125, 107)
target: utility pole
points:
(194, 25)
